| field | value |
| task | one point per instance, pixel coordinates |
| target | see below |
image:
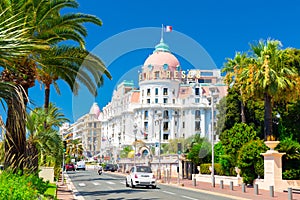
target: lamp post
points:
(212, 93)
(134, 131)
(176, 116)
(159, 119)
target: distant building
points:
(183, 98)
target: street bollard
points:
(256, 189)
(290, 194)
(243, 187)
(271, 191)
(194, 182)
(221, 184)
(231, 185)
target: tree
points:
(269, 77)
(74, 65)
(75, 148)
(250, 161)
(200, 152)
(233, 68)
(291, 160)
(43, 141)
(125, 151)
(47, 26)
(232, 141)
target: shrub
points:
(291, 174)
(14, 186)
(204, 169)
(250, 161)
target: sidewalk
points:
(237, 191)
(64, 192)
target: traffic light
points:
(179, 148)
(65, 146)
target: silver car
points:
(140, 176)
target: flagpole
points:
(162, 33)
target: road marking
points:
(188, 197)
(169, 192)
(95, 183)
(81, 184)
(110, 183)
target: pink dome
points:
(95, 110)
(160, 58)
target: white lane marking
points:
(188, 197)
(169, 192)
(95, 183)
(81, 184)
(110, 188)
(110, 183)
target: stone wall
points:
(47, 173)
(226, 179)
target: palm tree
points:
(75, 148)
(15, 42)
(45, 24)
(74, 65)
(233, 68)
(43, 142)
(267, 77)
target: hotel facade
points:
(168, 103)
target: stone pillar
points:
(272, 167)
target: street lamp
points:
(212, 94)
(159, 119)
(176, 116)
(134, 131)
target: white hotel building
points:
(182, 97)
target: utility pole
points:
(135, 131)
(160, 119)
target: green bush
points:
(204, 169)
(51, 191)
(219, 170)
(291, 174)
(14, 186)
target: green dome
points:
(162, 47)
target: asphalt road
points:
(92, 186)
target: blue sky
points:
(220, 27)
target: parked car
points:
(80, 165)
(70, 167)
(140, 176)
(110, 167)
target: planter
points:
(272, 144)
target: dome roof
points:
(95, 110)
(161, 57)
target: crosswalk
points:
(102, 183)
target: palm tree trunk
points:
(47, 96)
(32, 160)
(268, 129)
(243, 116)
(15, 138)
(46, 101)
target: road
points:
(109, 186)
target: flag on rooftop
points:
(168, 28)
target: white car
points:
(80, 165)
(140, 176)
